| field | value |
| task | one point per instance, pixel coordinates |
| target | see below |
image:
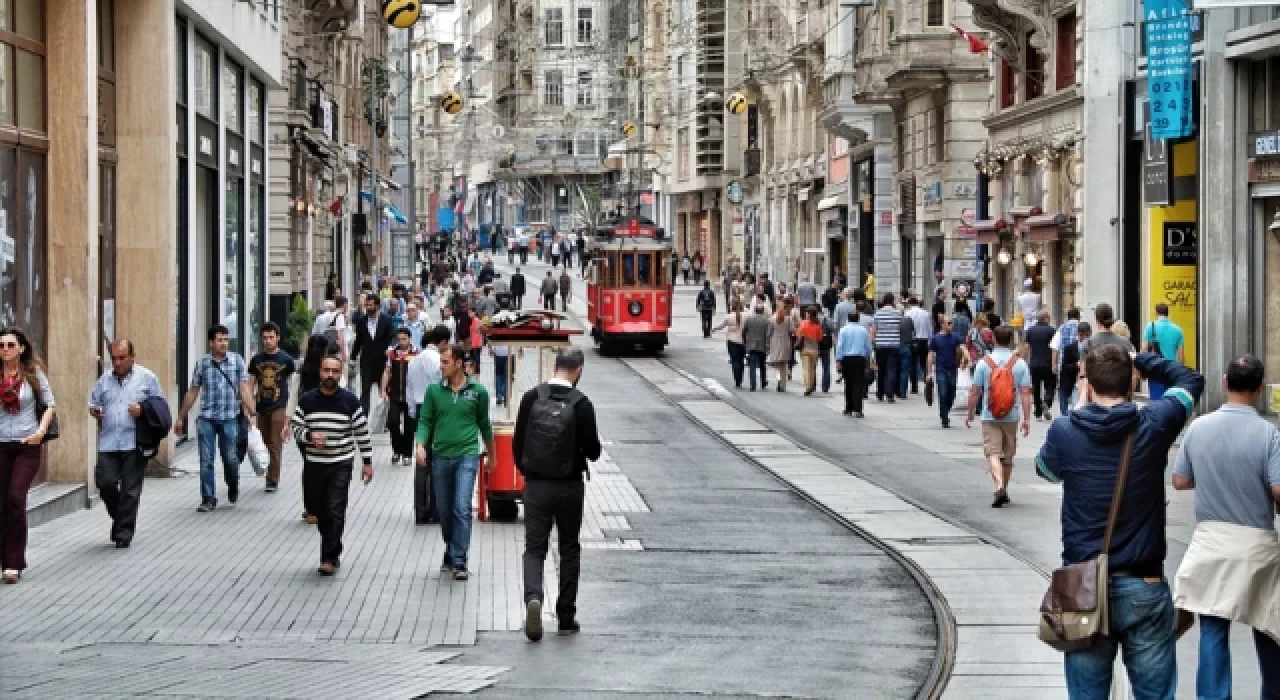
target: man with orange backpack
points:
(1003, 383)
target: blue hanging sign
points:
(1168, 26)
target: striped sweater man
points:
(340, 422)
(330, 426)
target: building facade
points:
(150, 115)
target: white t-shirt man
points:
(1029, 304)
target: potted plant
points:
(301, 319)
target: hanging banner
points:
(1168, 28)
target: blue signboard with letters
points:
(1168, 28)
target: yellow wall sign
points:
(1174, 253)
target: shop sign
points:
(733, 192)
(931, 193)
(1264, 170)
(1173, 272)
(964, 269)
(964, 190)
(1167, 25)
(1157, 171)
(1181, 242)
(1264, 144)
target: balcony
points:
(333, 14)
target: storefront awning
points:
(829, 203)
(987, 230)
(1046, 228)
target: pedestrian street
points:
(228, 604)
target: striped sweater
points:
(339, 418)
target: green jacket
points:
(453, 423)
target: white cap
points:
(1026, 282)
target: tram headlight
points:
(635, 308)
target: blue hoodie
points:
(1083, 450)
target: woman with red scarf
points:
(23, 386)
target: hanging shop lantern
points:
(451, 102)
(401, 14)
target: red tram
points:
(629, 292)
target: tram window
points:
(645, 262)
(628, 269)
(659, 270)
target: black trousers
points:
(706, 324)
(558, 503)
(368, 380)
(324, 495)
(119, 476)
(854, 369)
(549, 302)
(524, 256)
(518, 301)
(402, 428)
(1043, 386)
(887, 372)
(920, 356)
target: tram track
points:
(935, 682)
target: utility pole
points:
(376, 86)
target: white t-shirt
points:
(1029, 303)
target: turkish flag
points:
(976, 45)
(336, 207)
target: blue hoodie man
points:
(1082, 451)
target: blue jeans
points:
(906, 368)
(946, 386)
(1142, 627)
(454, 480)
(500, 364)
(1213, 676)
(217, 435)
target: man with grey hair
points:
(554, 438)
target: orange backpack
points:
(1002, 391)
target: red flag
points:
(336, 207)
(976, 45)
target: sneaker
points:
(446, 568)
(460, 575)
(533, 619)
(272, 487)
(207, 505)
(233, 493)
(570, 627)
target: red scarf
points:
(10, 391)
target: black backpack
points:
(550, 445)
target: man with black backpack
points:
(706, 303)
(555, 435)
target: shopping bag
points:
(964, 384)
(259, 457)
(378, 417)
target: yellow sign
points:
(1173, 254)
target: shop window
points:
(255, 112)
(256, 259)
(28, 19)
(232, 274)
(31, 81)
(1007, 95)
(1034, 71)
(6, 84)
(1273, 93)
(231, 95)
(23, 289)
(644, 263)
(1065, 52)
(206, 59)
(628, 269)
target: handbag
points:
(1074, 614)
(242, 421)
(53, 431)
